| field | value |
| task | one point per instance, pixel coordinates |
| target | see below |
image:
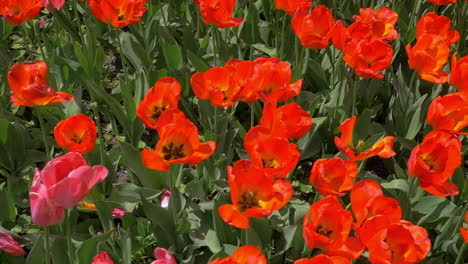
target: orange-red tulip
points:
(243, 255)
(464, 232)
(10, 246)
(28, 83)
(272, 78)
(179, 142)
(442, 2)
(242, 73)
(254, 193)
(367, 201)
(288, 121)
(275, 154)
(428, 56)
(291, 6)
(76, 133)
(314, 29)
(16, 12)
(218, 84)
(102, 258)
(327, 226)
(118, 13)
(333, 176)
(381, 23)
(219, 13)
(369, 58)
(434, 162)
(383, 148)
(165, 94)
(432, 23)
(323, 259)
(394, 243)
(449, 112)
(459, 72)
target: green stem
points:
(355, 87)
(43, 130)
(71, 255)
(215, 45)
(122, 58)
(99, 130)
(215, 124)
(252, 115)
(459, 259)
(46, 243)
(283, 30)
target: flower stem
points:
(71, 256)
(459, 259)
(43, 131)
(283, 29)
(46, 243)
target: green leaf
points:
(88, 249)
(171, 50)
(134, 51)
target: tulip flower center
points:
(76, 138)
(247, 200)
(271, 164)
(173, 151)
(429, 162)
(157, 111)
(323, 231)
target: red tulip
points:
(464, 232)
(323, 259)
(16, 12)
(459, 72)
(102, 258)
(69, 178)
(219, 12)
(432, 23)
(76, 133)
(327, 226)
(314, 29)
(28, 82)
(434, 162)
(449, 112)
(163, 257)
(442, 2)
(383, 148)
(118, 13)
(243, 255)
(165, 94)
(291, 6)
(333, 176)
(10, 246)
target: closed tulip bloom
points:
(333, 176)
(323, 259)
(464, 232)
(69, 178)
(118, 13)
(442, 2)
(219, 13)
(394, 243)
(76, 133)
(458, 73)
(163, 257)
(28, 83)
(327, 226)
(102, 258)
(243, 255)
(275, 154)
(434, 162)
(314, 29)
(291, 6)
(16, 12)
(179, 142)
(449, 112)
(382, 148)
(369, 58)
(432, 23)
(289, 121)
(164, 95)
(254, 193)
(10, 246)
(428, 56)
(57, 4)
(44, 210)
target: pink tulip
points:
(57, 4)
(163, 257)
(165, 197)
(102, 258)
(9, 245)
(69, 178)
(44, 211)
(118, 213)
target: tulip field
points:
(233, 131)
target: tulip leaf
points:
(88, 249)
